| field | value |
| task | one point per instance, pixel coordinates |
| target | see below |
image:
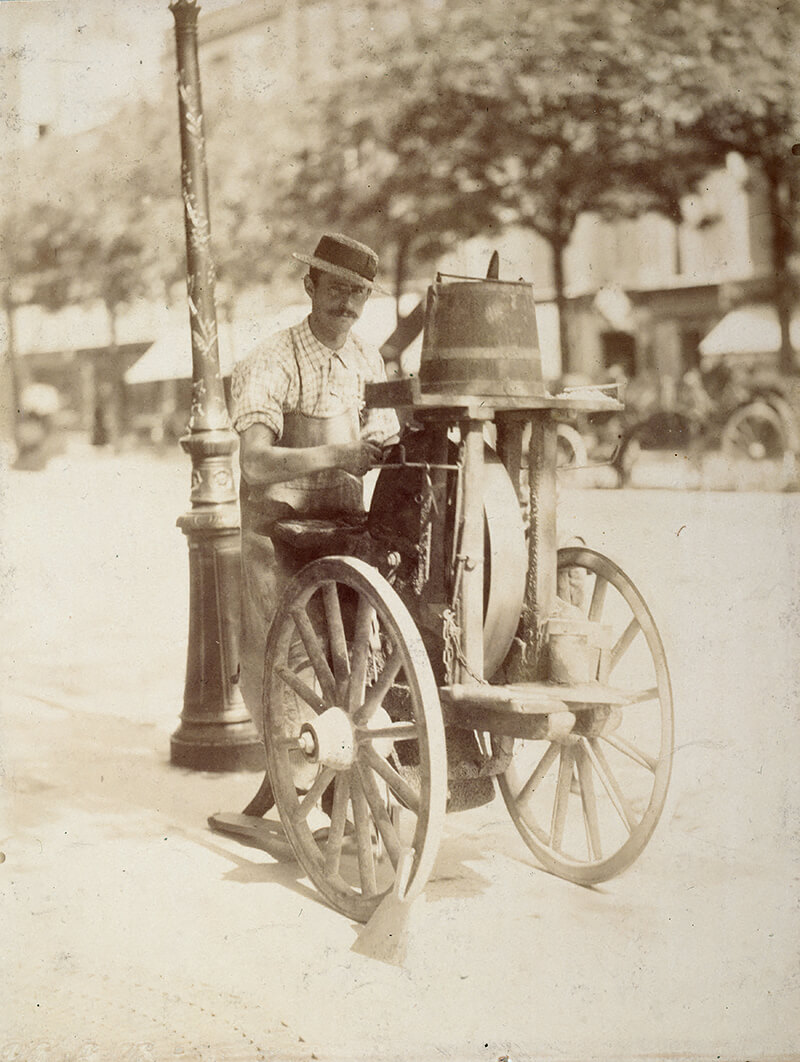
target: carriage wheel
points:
(354, 734)
(570, 447)
(587, 804)
(755, 432)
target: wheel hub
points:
(330, 739)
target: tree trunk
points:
(400, 270)
(10, 383)
(558, 248)
(780, 213)
(119, 418)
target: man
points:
(306, 439)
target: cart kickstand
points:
(263, 800)
(250, 827)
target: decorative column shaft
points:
(216, 733)
(540, 588)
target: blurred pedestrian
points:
(39, 403)
(103, 416)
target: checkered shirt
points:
(305, 376)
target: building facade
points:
(641, 293)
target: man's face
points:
(336, 303)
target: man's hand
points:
(264, 463)
(359, 457)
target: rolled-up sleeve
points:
(259, 387)
(378, 425)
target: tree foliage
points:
(95, 224)
(504, 114)
(736, 89)
(452, 121)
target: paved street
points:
(130, 931)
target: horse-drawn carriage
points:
(444, 645)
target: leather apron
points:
(266, 565)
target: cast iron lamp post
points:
(216, 733)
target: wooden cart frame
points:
(386, 687)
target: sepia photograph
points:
(400, 530)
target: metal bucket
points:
(574, 647)
(480, 340)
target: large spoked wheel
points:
(354, 734)
(587, 804)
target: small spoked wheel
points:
(354, 734)
(587, 803)
(755, 432)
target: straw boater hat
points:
(345, 258)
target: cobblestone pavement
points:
(129, 931)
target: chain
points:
(451, 632)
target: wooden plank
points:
(537, 697)
(496, 719)
(513, 699)
(407, 391)
(254, 831)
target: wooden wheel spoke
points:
(541, 769)
(632, 751)
(336, 635)
(316, 654)
(562, 798)
(341, 797)
(320, 784)
(747, 432)
(303, 691)
(380, 814)
(378, 690)
(589, 803)
(365, 614)
(366, 860)
(642, 696)
(610, 784)
(395, 731)
(624, 642)
(598, 598)
(398, 785)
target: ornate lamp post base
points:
(216, 732)
(199, 752)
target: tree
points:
(367, 164)
(457, 127)
(88, 222)
(461, 124)
(736, 90)
(557, 119)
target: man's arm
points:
(263, 463)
